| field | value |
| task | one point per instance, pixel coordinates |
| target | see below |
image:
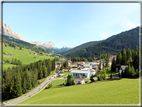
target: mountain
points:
(51, 47)
(7, 31)
(20, 43)
(80, 47)
(58, 50)
(112, 45)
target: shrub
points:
(49, 86)
(111, 76)
(101, 77)
(98, 78)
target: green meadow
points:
(23, 56)
(124, 91)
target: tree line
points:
(127, 57)
(14, 61)
(17, 80)
(77, 59)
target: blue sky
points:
(70, 24)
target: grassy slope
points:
(22, 55)
(125, 91)
(57, 82)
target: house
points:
(35, 53)
(122, 68)
(31, 53)
(59, 64)
(79, 80)
(86, 72)
(80, 72)
(95, 68)
(66, 69)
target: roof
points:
(124, 66)
(80, 76)
(67, 68)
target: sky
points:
(70, 24)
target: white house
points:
(80, 72)
(86, 72)
(66, 69)
(122, 67)
(79, 79)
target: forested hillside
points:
(22, 44)
(112, 45)
(80, 47)
(17, 80)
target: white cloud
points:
(63, 43)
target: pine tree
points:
(104, 74)
(124, 57)
(24, 90)
(113, 66)
(70, 80)
(40, 73)
(107, 61)
(28, 80)
(119, 58)
(100, 65)
(103, 63)
(129, 54)
(133, 72)
(44, 71)
(18, 84)
(12, 90)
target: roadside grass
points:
(58, 82)
(23, 56)
(124, 91)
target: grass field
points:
(124, 91)
(6, 65)
(57, 82)
(23, 56)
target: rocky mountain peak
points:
(8, 31)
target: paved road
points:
(33, 92)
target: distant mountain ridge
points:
(46, 45)
(112, 45)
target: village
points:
(81, 70)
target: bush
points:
(49, 86)
(98, 78)
(111, 76)
(7, 61)
(101, 77)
